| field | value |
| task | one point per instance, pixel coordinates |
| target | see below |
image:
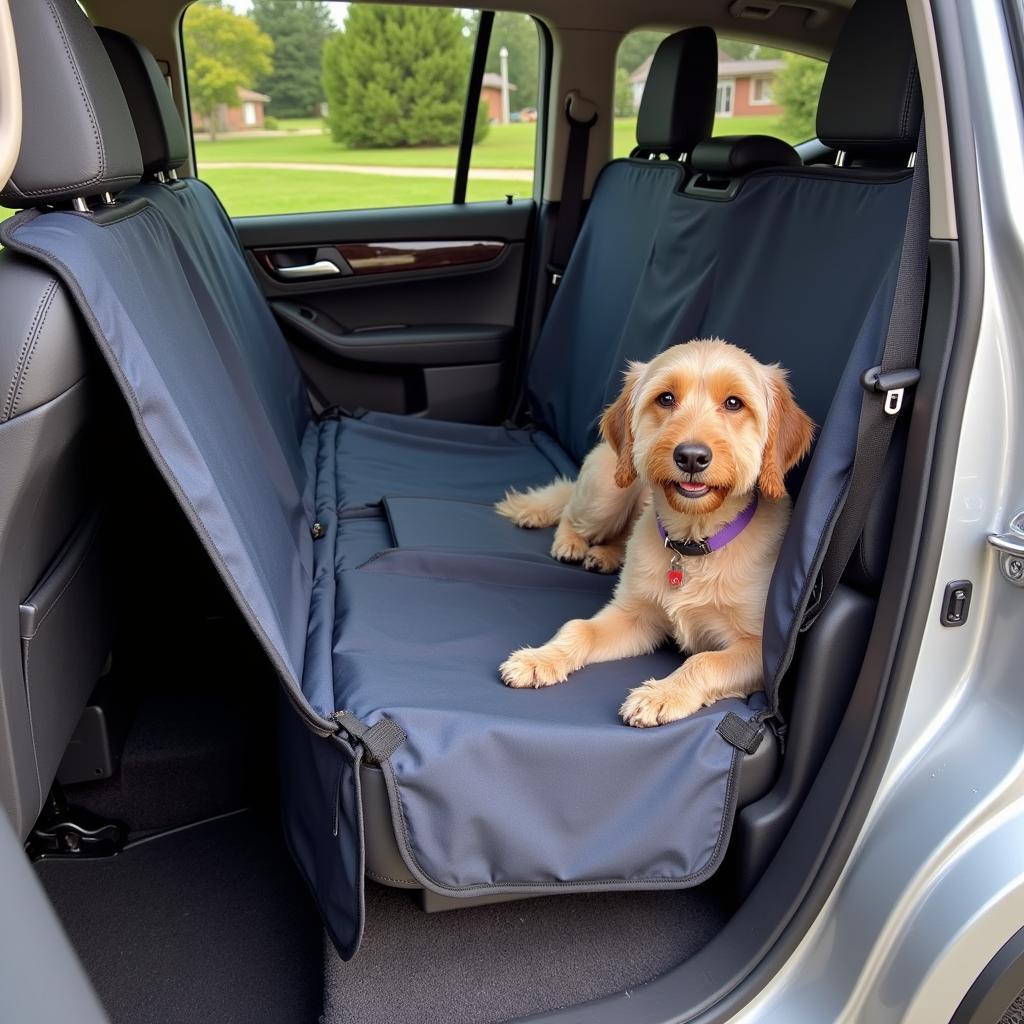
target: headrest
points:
(678, 106)
(77, 136)
(157, 122)
(730, 156)
(871, 97)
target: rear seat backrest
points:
(196, 215)
(610, 259)
(55, 609)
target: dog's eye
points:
(733, 404)
(666, 399)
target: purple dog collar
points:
(715, 542)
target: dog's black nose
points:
(692, 458)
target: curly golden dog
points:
(695, 453)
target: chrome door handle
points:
(321, 268)
(1011, 550)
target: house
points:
(745, 87)
(245, 115)
(490, 95)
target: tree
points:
(517, 32)
(299, 29)
(625, 105)
(396, 76)
(797, 89)
(224, 52)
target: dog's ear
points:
(790, 432)
(617, 429)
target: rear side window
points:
(761, 90)
(299, 105)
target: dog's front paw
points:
(603, 558)
(569, 546)
(534, 666)
(657, 702)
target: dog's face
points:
(703, 421)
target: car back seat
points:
(394, 660)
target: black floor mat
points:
(488, 964)
(210, 923)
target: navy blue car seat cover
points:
(403, 636)
(414, 635)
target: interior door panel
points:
(410, 310)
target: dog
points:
(696, 448)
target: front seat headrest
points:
(77, 137)
(678, 105)
(871, 96)
(158, 125)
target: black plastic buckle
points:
(892, 384)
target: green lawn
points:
(506, 146)
(256, 191)
(294, 124)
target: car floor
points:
(496, 963)
(206, 923)
(211, 922)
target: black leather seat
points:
(56, 616)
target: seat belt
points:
(885, 389)
(582, 116)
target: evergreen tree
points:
(797, 89)
(397, 76)
(518, 33)
(299, 29)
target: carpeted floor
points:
(207, 924)
(488, 964)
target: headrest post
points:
(79, 204)
(841, 158)
(161, 177)
(912, 159)
(107, 199)
(172, 175)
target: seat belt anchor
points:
(892, 383)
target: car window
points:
(299, 105)
(761, 90)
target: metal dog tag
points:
(675, 572)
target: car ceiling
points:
(808, 26)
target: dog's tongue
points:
(692, 486)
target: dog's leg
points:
(569, 545)
(701, 680)
(614, 632)
(537, 507)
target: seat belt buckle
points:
(892, 383)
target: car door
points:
(392, 235)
